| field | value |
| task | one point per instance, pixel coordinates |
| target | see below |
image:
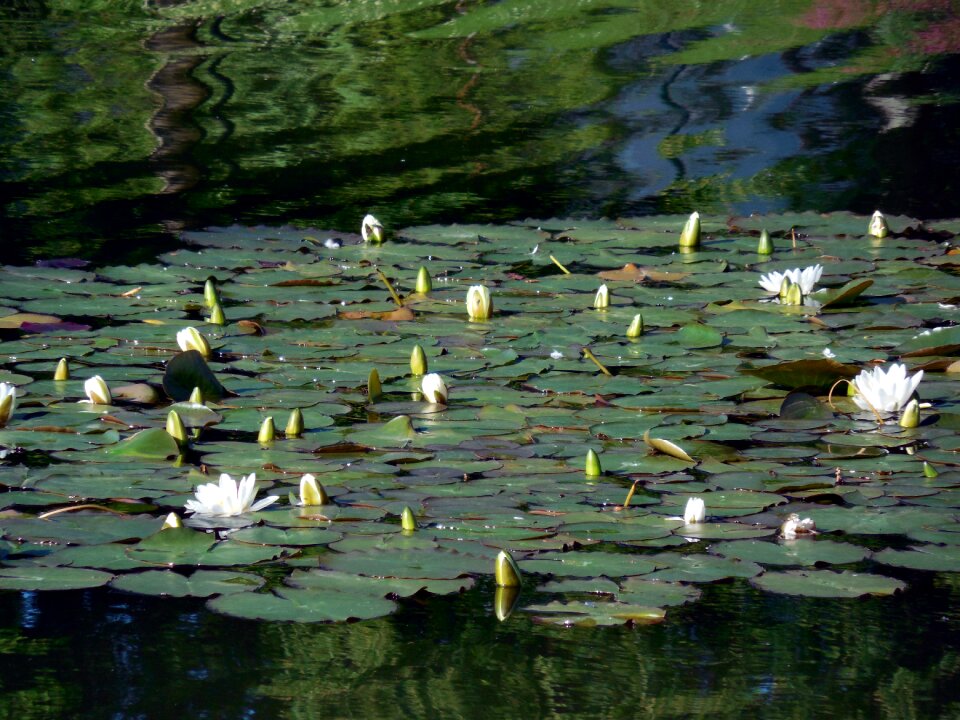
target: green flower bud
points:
(592, 466)
(407, 521)
(690, 237)
(424, 284)
(765, 246)
(268, 431)
(63, 370)
(210, 295)
(929, 471)
(636, 327)
(374, 389)
(216, 315)
(506, 572)
(294, 424)
(175, 427)
(878, 225)
(196, 396)
(418, 361)
(910, 417)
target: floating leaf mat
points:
(724, 396)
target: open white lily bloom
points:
(434, 389)
(227, 498)
(479, 304)
(8, 402)
(695, 511)
(806, 279)
(371, 229)
(794, 526)
(885, 390)
(191, 339)
(97, 391)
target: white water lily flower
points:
(434, 389)
(829, 354)
(878, 225)
(806, 279)
(885, 390)
(8, 402)
(310, 491)
(479, 304)
(794, 526)
(227, 498)
(191, 339)
(97, 391)
(695, 511)
(371, 229)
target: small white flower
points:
(331, 244)
(227, 498)
(602, 299)
(695, 511)
(8, 402)
(97, 391)
(434, 389)
(191, 339)
(794, 526)
(371, 229)
(556, 355)
(828, 353)
(806, 279)
(878, 225)
(885, 390)
(479, 304)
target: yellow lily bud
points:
(407, 521)
(929, 470)
(63, 370)
(418, 361)
(268, 431)
(690, 237)
(878, 225)
(190, 339)
(312, 492)
(636, 327)
(175, 427)
(171, 522)
(794, 296)
(910, 417)
(592, 466)
(196, 396)
(424, 284)
(506, 572)
(294, 424)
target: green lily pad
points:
(827, 583)
(51, 578)
(202, 583)
(302, 606)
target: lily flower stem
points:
(393, 293)
(869, 404)
(633, 489)
(71, 508)
(591, 356)
(559, 265)
(793, 237)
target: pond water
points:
(126, 124)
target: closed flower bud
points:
(418, 361)
(216, 315)
(374, 388)
(312, 492)
(171, 522)
(929, 471)
(190, 339)
(97, 391)
(210, 295)
(636, 327)
(793, 296)
(268, 431)
(601, 301)
(294, 424)
(8, 402)
(506, 572)
(910, 417)
(690, 237)
(407, 521)
(424, 284)
(695, 511)
(63, 370)
(878, 225)
(765, 246)
(434, 389)
(479, 303)
(175, 427)
(592, 465)
(196, 396)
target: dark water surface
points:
(122, 123)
